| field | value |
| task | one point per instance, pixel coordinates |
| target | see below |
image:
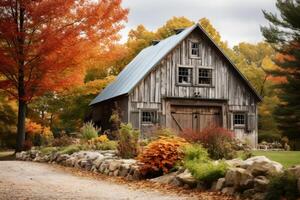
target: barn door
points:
(196, 118)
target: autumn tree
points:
(42, 44)
(284, 33)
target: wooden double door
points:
(195, 117)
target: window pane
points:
(148, 117)
(239, 119)
(195, 49)
(205, 76)
(184, 75)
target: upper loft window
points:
(185, 75)
(239, 119)
(204, 76)
(194, 50)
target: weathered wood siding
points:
(152, 91)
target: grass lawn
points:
(286, 158)
(7, 155)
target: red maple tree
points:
(43, 43)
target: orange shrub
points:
(161, 155)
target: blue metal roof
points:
(140, 66)
(146, 60)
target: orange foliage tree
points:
(42, 42)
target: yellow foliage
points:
(34, 128)
(100, 139)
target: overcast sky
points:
(236, 20)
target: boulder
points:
(124, 169)
(187, 178)
(98, 161)
(114, 165)
(261, 183)
(228, 190)
(90, 155)
(237, 162)
(219, 184)
(71, 161)
(166, 179)
(62, 157)
(262, 166)
(295, 171)
(239, 178)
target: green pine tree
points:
(284, 33)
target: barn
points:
(183, 81)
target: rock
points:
(228, 190)
(103, 167)
(238, 178)
(262, 166)
(166, 179)
(62, 157)
(261, 183)
(176, 182)
(124, 169)
(114, 165)
(71, 161)
(92, 155)
(98, 161)
(237, 162)
(187, 178)
(219, 184)
(295, 171)
(116, 173)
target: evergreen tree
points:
(284, 33)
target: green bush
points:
(195, 152)
(70, 149)
(196, 160)
(283, 186)
(88, 131)
(109, 145)
(128, 141)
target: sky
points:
(236, 20)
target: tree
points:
(42, 44)
(284, 34)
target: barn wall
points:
(101, 112)
(152, 91)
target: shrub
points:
(109, 145)
(196, 160)
(161, 155)
(62, 141)
(283, 186)
(128, 141)
(218, 141)
(27, 145)
(195, 152)
(88, 131)
(207, 172)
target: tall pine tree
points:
(284, 33)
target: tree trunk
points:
(21, 125)
(21, 82)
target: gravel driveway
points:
(28, 180)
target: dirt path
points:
(28, 180)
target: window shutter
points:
(230, 121)
(250, 122)
(134, 119)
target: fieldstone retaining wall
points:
(105, 162)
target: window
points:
(185, 75)
(148, 116)
(195, 49)
(205, 76)
(239, 119)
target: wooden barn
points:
(183, 81)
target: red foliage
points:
(161, 155)
(44, 43)
(206, 135)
